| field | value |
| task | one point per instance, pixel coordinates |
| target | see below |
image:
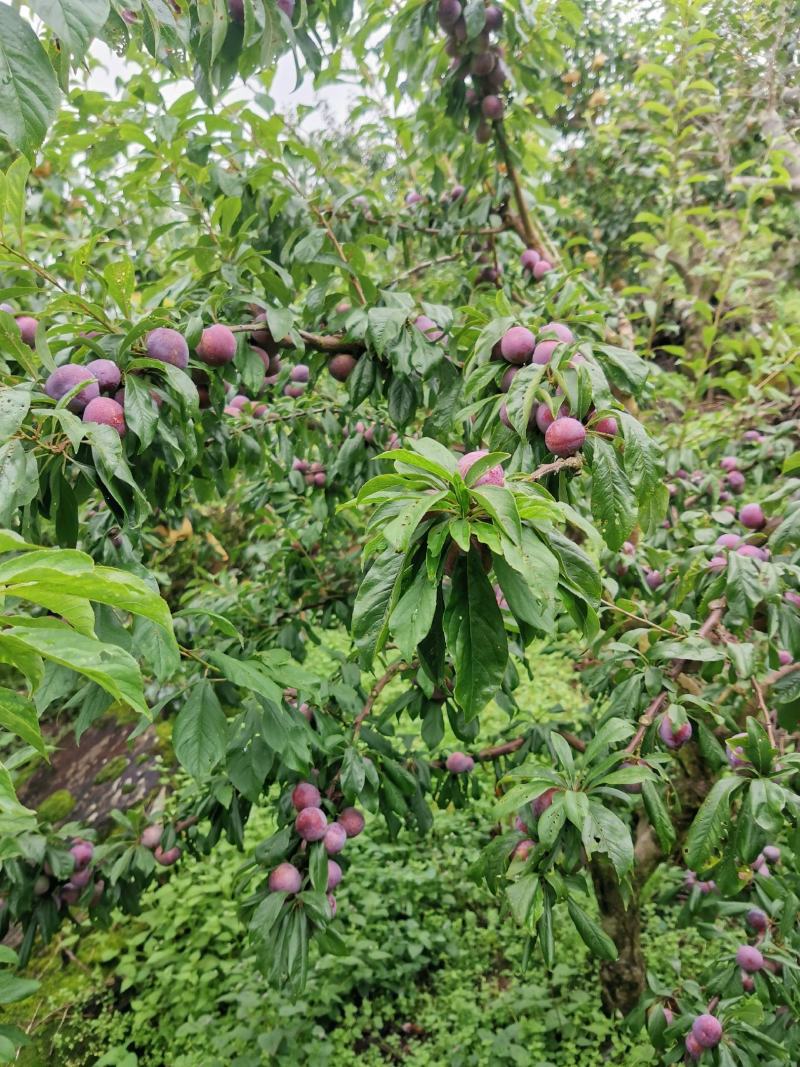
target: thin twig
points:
(420, 267)
(655, 705)
(765, 712)
(375, 692)
(574, 462)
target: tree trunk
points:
(622, 982)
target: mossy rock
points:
(57, 806)
(112, 770)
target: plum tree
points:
(68, 377)
(217, 345)
(601, 524)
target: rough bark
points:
(621, 981)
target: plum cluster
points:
(479, 58)
(312, 825)
(563, 435)
(82, 875)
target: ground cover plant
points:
(499, 370)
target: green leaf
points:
(501, 504)
(612, 498)
(19, 715)
(375, 602)
(596, 940)
(522, 896)
(13, 989)
(412, 617)
(74, 22)
(108, 665)
(475, 636)
(14, 404)
(141, 413)
(604, 831)
(659, 816)
(250, 674)
(711, 821)
(200, 732)
(28, 87)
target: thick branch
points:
(531, 233)
(330, 343)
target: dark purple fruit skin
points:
(236, 10)
(107, 374)
(342, 366)
(105, 412)
(64, 379)
(168, 346)
(217, 346)
(492, 108)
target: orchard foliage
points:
(254, 382)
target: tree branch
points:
(655, 705)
